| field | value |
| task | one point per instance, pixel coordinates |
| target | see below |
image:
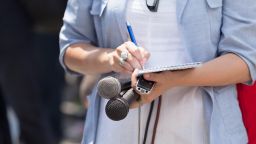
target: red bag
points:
(247, 102)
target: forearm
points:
(224, 70)
(87, 59)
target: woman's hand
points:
(205, 75)
(136, 58)
(163, 82)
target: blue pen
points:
(131, 34)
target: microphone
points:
(117, 108)
(110, 87)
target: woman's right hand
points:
(137, 56)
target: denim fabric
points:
(209, 28)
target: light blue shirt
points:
(209, 28)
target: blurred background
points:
(39, 103)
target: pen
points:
(132, 37)
(131, 34)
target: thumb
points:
(153, 77)
(134, 77)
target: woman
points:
(198, 105)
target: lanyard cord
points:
(148, 122)
(157, 119)
(139, 122)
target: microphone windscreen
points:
(109, 87)
(117, 109)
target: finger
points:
(156, 77)
(123, 70)
(121, 48)
(134, 62)
(134, 50)
(119, 69)
(127, 72)
(134, 104)
(125, 64)
(145, 55)
(148, 98)
(145, 99)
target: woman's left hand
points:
(163, 82)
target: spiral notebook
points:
(170, 68)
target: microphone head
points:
(117, 108)
(109, 87)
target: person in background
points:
(5, 137)
(46, 20)
(30, 77)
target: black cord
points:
(148, 122)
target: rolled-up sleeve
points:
(239, 32)
(78, 27)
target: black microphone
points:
(110, 87)
(117, 108)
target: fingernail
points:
(144, 60)
(138, 66)
(146, 76)
(136, 71)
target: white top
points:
(182, 117)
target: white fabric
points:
(181, 120)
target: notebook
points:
(170, 68)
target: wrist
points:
(106, 59)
